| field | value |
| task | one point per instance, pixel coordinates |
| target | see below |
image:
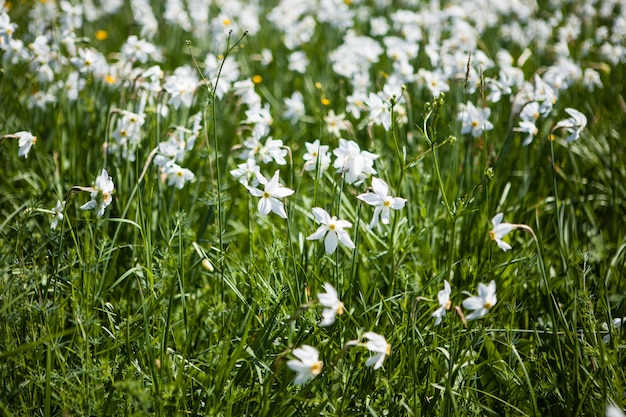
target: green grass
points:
(118, 315)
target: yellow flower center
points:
(340, 309)
(492, 235)
(266, 194)
(487, 305)
(316, 368)
(332, 227)
(388, 349)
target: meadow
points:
(304, 208)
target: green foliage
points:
(189, 302)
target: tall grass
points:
(189, 302)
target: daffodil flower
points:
(307, 366)
(331, 230)
(270, 195)
(500, 230)
(444, 302)
(378, 345)
(482, 303)
(382, 201)
(101, 194)
(574, 124)
(332, 305)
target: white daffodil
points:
(307, 366)
(270, 195)
(500, 230)
(482, 303)
(444, 302)
(332, 305)
(574, 124)
(178, 176)
(353, 162)
(57, 213)
(316, 155)
(378, 345)
(26, 141)
(382, 201)
(101, 194)
(331, 230)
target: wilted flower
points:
(332, 228)
(307, 366)
(101, 194)
(444, 302)
(270, 195)
(332, 305)
(481, 304)
(382, 201)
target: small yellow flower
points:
(102, 35)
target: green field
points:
(305, 208)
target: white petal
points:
(330, 243)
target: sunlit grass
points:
(168, 220)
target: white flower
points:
(481, 304)
(382, 201)
(307, 365)
(614, 411)
(356, 164)
(378, 345)
(26, 141)
(269, 196)
(316, 154)
(444, 302)
(333, 306)
(379, 110)
(247, 173)
(332, 228)
(474, 120)
(616, 323)
(574, 124)
(178, 176)
(101, 194)
(57, 212)
(500, 230)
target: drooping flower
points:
(482, 303)
(574, 124)
(331, 229)
(101, 194)
(270, 195)
(332, 305)
(378, 345)
(26, 141)
(444, 302)
(382, 201)
(307, 366)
